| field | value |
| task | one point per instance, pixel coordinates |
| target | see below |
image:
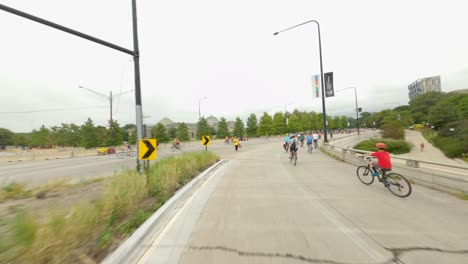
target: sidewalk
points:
(430, 153)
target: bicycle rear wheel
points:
(398, 185)
(121, 154)
(295, 158)
(365, 175)
(132, 153)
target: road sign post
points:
(206, 141)
(147, 149)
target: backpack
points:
(293, 146)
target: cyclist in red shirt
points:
(383, 157)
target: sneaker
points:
(375, 174)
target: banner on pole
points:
(329, 91)
(316, 83)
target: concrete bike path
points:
(261, 209)
(430, 152)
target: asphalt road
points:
(40, 172)
(259, 208)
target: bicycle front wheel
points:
(365, 175)
(398, 185)
(121, 155)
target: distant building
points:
(424, 85)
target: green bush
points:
(393, 130)
(393, 146)
(450, 146)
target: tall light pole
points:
(357, 109)
(110, 97)
(199, 111)
(321, 73)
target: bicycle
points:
(309, 148)
(286, 147)
(175, 147)
(122, 154)
(396, 183)
(315, 144)
(293, 157)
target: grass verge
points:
(88, 231)
(393, 146)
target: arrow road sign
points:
(206, 140)
(147, 149)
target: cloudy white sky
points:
(226, 51)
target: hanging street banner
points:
(316, 83)
(329, 91)
(147, 149)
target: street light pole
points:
(199, 110)
(321, 73)
(357, 109)
(111, 99)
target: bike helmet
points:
(381, 145)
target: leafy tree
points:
(279, 124)
(314, 121)
(41, 137)
(74, 137)
(203, 128)
(159, 132)
(22, 139)
(442, 113)
(116, 134)
(133, 137)
(294, 125)
(252, 125)
(420, 105)
(238, 128)
(265, 126)
(183, 132)
(393, 130)
(89, 134)
(6, 138)
(172, 132)
(223, 130)
(343, 123)
(102, 136)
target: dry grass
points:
(90, 229)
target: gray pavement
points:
(259, 208)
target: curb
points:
(130, 247)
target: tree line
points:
(447, 113)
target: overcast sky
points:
(226, 51)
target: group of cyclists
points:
(292, 140)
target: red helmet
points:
(381, 145)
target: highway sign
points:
(147, 149)
(206, 140)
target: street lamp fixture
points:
(357, 109)
(199, 111)
(321, 72)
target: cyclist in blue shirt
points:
(286, 143)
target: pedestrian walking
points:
(422, 146)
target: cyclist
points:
(309, 141)
(293, 147)
(286, 143)
(176, 143)
(384, 162)
(315, 136)
(302, 139)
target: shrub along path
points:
(430, 153)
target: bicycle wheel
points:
(365, 175)
(132, 153)
(398, 185)
(295, 158)
(121, 154)
(173, 148)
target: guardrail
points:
(439, 176)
